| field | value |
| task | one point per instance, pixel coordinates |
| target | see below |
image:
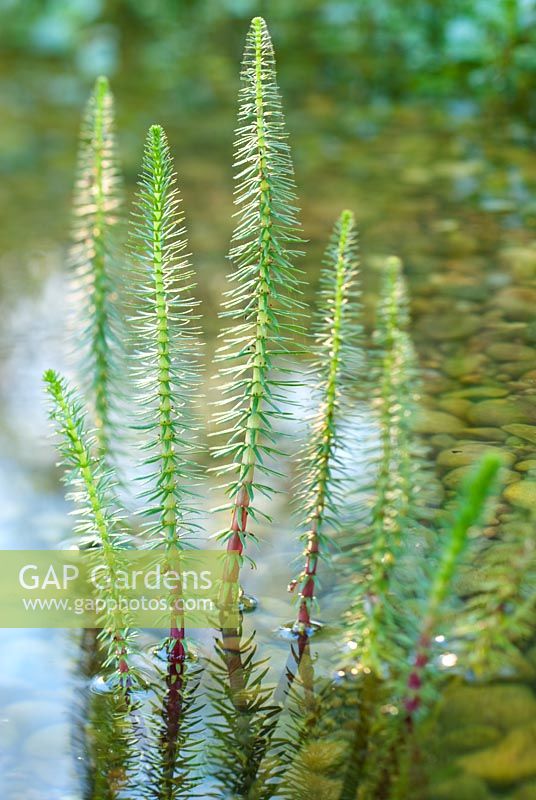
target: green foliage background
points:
(343, 64)
(448, 46)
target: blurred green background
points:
(345, 67)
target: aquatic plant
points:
(372, 617)
(262, 315)
(100, 527)
(319, 495)
(96, 208)
(166, 377)
(261, 304)
(348, 736)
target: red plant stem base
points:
(413, 699)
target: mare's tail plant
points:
(501, 606)
(262, 308)
(372, 619)
(319, 490)
(166, 377)
(97, 203)
(421, 677)
(100, 527)
(335, 349)
(113, 755)
(471, 505)
(352, 738)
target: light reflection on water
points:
(444, 199)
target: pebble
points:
(455, 405)
(516, 302)
(522, 494)
(527, 432)
(530, 332)
(502, 351)
(526, 792)
(434, 422)
(480, 391)
(514, 369)
(464, 787)
(50, 742)
(466, 292)
(484, 434)
(500, 413)
(472, 737)
(463, 364)
(511, 760)
(464, 453)
(28, 714)
(527, 465)
(442, 440)
(448, 327)
(503, 706)
(518, 529)
(530, 377)
(520, 260)
(52, 772)
(453, 478)
(8, 734)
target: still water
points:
(450, 191)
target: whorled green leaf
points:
(100, 526)
(96, 207)
(242, 722)
(165, 365)
(164, 349)
(336, 371)
(469, 510)
(262, 306)
(373, 618)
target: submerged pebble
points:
(50, 742)
(455, 405)
(511, 760)
(463, 364)
(527, 465)
(429, 421)
(503, 706)
(522, 494)
(449, 327)
(473, 737)
(517, 302)
(499, 413)
(527, 432)
(526, 792)
(465, 453)
(502, 351)
(481, 391)
(484, 434)
(464, 787)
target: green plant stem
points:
(326, 428)
(79, 455)
(261, 361)
(96, 214)
(393, 487)
(470, 509)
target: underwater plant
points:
(94, 274)
(346, 732)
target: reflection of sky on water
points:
(447, 198)
(36, 680)
(34, 664)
